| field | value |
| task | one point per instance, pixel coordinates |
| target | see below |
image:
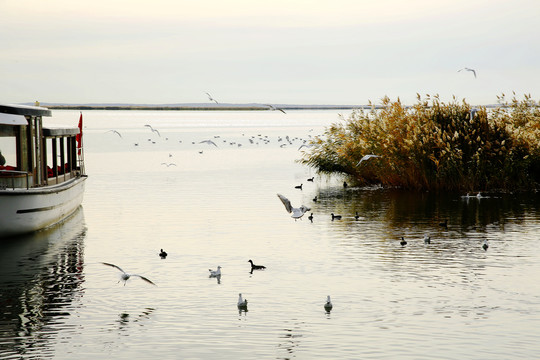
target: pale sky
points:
(279, 51)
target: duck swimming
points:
(256, 267)
(328, 304)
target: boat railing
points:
(13, 174)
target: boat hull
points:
(27, 210)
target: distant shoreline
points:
(199, 108)
(210, 107)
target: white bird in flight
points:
(469, 69)
(116, 132)
(153, 130)
(273, 108)
(367, 157)
(125, 276)
(297, 213)
(211, 98)
(209, 142)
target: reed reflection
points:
(41, 277)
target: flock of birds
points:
(241, 304)
(253, 140)
(298, 212)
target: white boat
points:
(41, 170)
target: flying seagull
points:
(273, 108)
(297, 213)
(125, 276)
(211, 98)
(153, 130)
(116, 132)
(168, 164)
(209, 142)
(367, 157)
(469, 69)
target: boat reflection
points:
(41, 277)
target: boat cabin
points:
(32, 155)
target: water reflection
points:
(289, 341)
(41, 277)
(125, 319)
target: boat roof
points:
(57, 131)
(16, 109)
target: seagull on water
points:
(328, 304)
(116, 132)
(125, 276)
(469, 69)
(214, 273)
(153, 130)
(209, 142)
(297, 213)
(367, 157)
(242, 303)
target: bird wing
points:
(145, 279)
(114, 266)
(297, 213)
(285, 202)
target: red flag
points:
(79, 135)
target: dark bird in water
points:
(311, 178)
(403, 242)
(299, 186)
(328, 304)
(356, 217)
(427, 239)
(256, 267)
(485, 245)
(125, 276)
(345, 184)
(315, 199)
(162, 254)
(444, 224)
(335, 217)
(310, 217)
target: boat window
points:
(8, 149)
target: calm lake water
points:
(446, 300)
